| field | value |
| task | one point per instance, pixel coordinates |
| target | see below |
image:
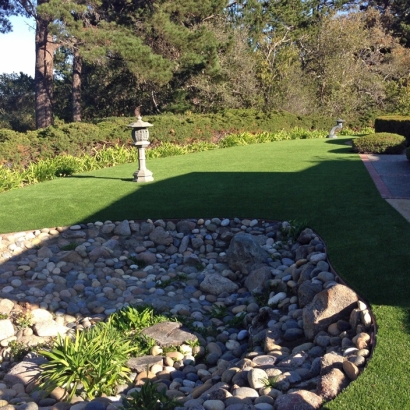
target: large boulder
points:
(327, 307)
(245, 254)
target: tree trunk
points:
(43, 76)
(76, 90)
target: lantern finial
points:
(137, 112)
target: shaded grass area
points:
(318, 181)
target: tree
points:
(17, 102)
(397, 13)
(7, 10)
(45, 48)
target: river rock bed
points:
(261, 295)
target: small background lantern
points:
(140, 136)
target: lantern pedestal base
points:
(143, 175)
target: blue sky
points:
(17, 49)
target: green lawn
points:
(317, 181)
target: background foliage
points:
(348, 59)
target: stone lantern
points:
(337, 127)
(140, 136)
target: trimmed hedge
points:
(20, 149)
(380, 143)
(396, 124)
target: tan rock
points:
(301, 399)
(351, 370)
(327, 307)
(331, 384)
(361, 340)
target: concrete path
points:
(391, 175)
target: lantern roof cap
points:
(139, 123)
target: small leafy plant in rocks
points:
(90, 364)
(148, 397)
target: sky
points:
(17, 49)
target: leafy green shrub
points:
(380, 143)
(350, 131)
(93, 361)
(397, 124)
(7, 134)
(149, 398)
(77, 139)
(10, 179)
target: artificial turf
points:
(317, 181)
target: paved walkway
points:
(391, 175)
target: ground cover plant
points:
(93, 361)
(380, 143)
(316, 181)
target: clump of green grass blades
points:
(93, 362)
(66, 165)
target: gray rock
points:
(140, 363)
(185, 227)
(257, 378)
(44, 252)
(108, 228)
(184, 244)
(305, 236)
(215, 284)
(147, 257)
(258, 278)
(26, 371)
(49, 328)
(316, 257)
(123, 228)
(245, 254)
(245, 392)
(99, 252)
(160, 236)
(307, 291)
(146, 228)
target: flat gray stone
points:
(140, 364)
(169, 334)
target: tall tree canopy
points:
(98, 58)
(154, 40)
